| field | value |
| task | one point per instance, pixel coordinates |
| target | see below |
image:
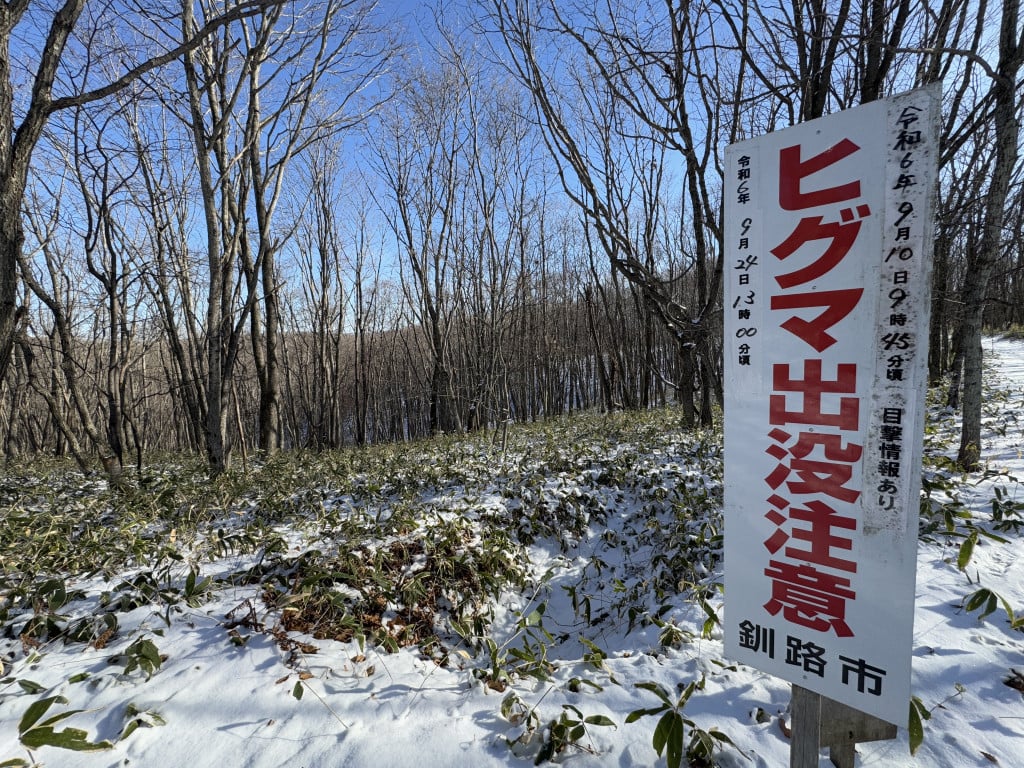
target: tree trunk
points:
(1006, 130)
(12, 237)
(270, 393)
(938, 353)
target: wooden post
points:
(804, 728)
(818, 721)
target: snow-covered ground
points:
(227, 694)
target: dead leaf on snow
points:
(1015, 680)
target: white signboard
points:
(827, 294)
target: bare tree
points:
(215, 92)
(1006, 134)
(24, 112)
(647, 65)
(172, 276)
(325, 53)
(421, 154)
(110, 250)
(67, 398)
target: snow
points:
(235, 703)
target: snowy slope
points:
(228, 692)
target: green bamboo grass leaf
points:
(36, 710)
(74, 739)
(966, 550)
(918, 714)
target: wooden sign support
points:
(818, 721)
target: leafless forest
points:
(256, 225)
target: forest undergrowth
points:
(518, 561)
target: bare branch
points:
(243, 11)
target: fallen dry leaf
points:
(1015, 680)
